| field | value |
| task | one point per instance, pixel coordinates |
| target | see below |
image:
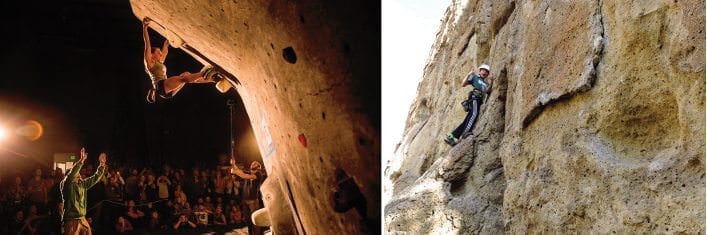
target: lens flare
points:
(31, 130)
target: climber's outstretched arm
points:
(146, 39)
(165, 50)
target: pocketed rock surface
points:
(595, 122)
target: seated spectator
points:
(179, 193)
(142, 188)
(31, 220)
(16, 193)
(149, 208)
(236, 217)
(199, 202)
(209, 204)
(205, 184)
(151, 191)
(182, 206)
(219, 184)
(177, 177)
(163, 184)
(230, 205)
(131, 184)
(114, 189)
(219, 202)
(202, 215)
(53, 192)
(166, 169)
(183, 223)
(17, 223)
(58, 173)
(219, 217)
(168, 209)
(123, 225)
(52, 225)
(155, 222)
(36, 192)
(133, 214)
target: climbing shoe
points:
(205, 69)
(211, 74)
(451, 140)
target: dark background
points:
(77, 68)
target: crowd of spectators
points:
(129, 199)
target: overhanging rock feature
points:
(306, 68)
(595, 122)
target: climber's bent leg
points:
(158, 92)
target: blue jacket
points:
(478, 83)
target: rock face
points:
(596, 122)
(309, 75)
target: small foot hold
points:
(261, 217)
(224, 81)
(223, 86)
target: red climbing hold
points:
(302, 140)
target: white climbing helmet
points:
(486, 67)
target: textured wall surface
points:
(310, 82)
(596, 122)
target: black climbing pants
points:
(470, 118)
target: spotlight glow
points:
(3, 133)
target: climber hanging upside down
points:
(472, 104)
(164, 87)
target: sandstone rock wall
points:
(309, 76)
(596, 122)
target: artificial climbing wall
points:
(309, 74)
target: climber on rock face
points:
(164, 87)
(471, 105)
